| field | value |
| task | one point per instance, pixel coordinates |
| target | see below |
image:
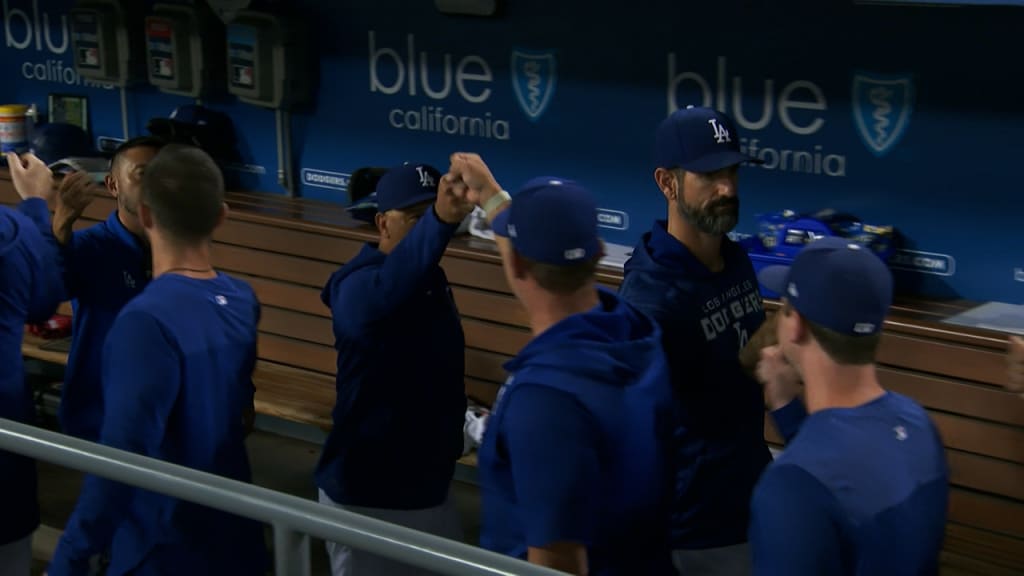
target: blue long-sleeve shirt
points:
(400, 380)
(30, 290)
(177, 376)
(105, 267)
(858, 491)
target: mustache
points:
(722, 203)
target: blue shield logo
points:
(533, 78)
(881, 109)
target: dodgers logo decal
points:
(533, 79)
(881, 109)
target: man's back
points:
(105, 267)
(577, 446)
(178, 382)
(859, 491)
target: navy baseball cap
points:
(698, 139)
(551, 220)
(407, 185)
(836, 284)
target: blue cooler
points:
(781, 235)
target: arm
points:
(249, 409)
(400, 276)
(140, 379)
(551, 446)
(792, 525)
(47, 285)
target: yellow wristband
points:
(495, 201)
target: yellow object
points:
(13, 128)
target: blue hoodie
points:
(30, 290)
(177, 373)
(401, 401)
(706, 318)
(577, 445)
(105, 267)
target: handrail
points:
(288, 514)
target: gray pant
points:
(441, 520)
(16, 557)
(724, 561)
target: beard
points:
(718, 216)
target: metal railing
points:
(293, 519)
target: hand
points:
(1015, 364)
(765, 336)
(75, 193)
(32, 178)
(452, 205)
(780, 379)
(470, 172)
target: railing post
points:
(291, 552)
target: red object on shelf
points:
(58, 326)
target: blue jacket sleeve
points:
(47, 284)
(368, 296)
(141, 379)
(789, 418)
(793, 525)
(552, 448)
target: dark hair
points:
(843, 348)
(184, 188)
(138, 142)
(562, 279)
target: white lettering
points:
(786, 102)
(682, 84)
(467, 70)
(9, 16)
(463, 76)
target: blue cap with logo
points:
(836, 284)
(698, 139)
(553, 221)
(406, 186)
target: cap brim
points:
(500, 224)
(413, 201)
(774, 278)
(719, 161)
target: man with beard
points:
(701, 287)
(106, 265)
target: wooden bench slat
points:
(294, 394)
(998, 551)
(302, 271)
(955, 396)
(485, 365)
(499, 338)
(297, 353)
(286, 295)
(934, 357)
(492, 306)
(274, 239)
(997, 477)
(296, 325)
(976, 436)
(993, 513)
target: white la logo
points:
(425, 178)
(721, 132)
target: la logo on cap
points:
(721, 132)
(426, 180)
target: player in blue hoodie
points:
(863, 487)
(574, 466)
(30, 289)
(401, 400)
(701, 288)
(177, 378)
(106, 265)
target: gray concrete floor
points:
(279, 462)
